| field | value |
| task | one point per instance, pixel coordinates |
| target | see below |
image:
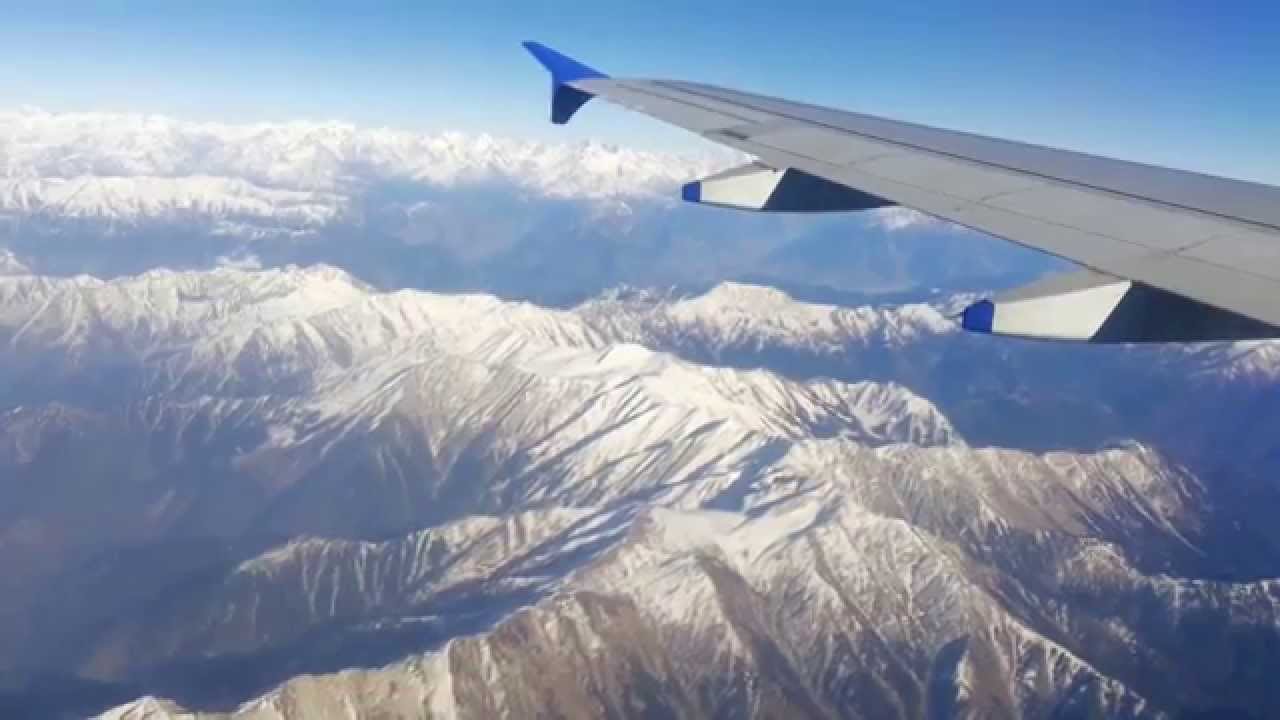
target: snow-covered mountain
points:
(167, 198)
(734, 315)
(248, 333)
(287, 492)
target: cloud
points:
(240, 262)
(893, 219)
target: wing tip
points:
(565, 98)
(563, 68)
(979, 317)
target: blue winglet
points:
(979, 317)
(565, 99)
(691, 192)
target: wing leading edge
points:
(1199, 256)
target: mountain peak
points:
(738, 295)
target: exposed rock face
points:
(282, 494)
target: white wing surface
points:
(1185, 256)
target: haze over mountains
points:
(301, 491)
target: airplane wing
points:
(1167, 255)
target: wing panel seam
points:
(641, 91)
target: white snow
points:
(828, 497)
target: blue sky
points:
(1183, 84)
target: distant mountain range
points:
(118, 194)
(287, 494)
